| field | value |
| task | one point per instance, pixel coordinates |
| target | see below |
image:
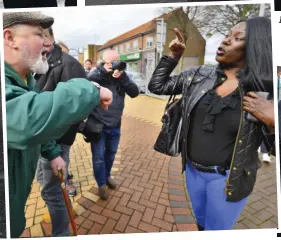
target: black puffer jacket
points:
(63, 67)
(245, 161)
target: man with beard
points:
(34, 119)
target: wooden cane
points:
(67, 203)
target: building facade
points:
(138, 47)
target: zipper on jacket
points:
(237, 139)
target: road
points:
(60, 3)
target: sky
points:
(96, 25)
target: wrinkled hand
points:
(105, 97)
(260, 108)
(177, 46)
(58, 164)
(117, 73)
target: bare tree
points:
(216, 19)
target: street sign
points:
(161, 29)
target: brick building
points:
(138, 45)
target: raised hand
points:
(177, 46)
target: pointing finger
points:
(179, 35)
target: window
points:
(117, 49)
(121, 48)
(128, 47)
(149, 42)
(136, 44)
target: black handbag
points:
(168, 141)
(91, 129)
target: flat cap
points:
(11, 18)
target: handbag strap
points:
(172, 97)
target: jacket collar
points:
(56, 56)
(11, 73)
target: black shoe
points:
(200, 228)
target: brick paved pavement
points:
(151, 195)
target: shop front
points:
(133, 61)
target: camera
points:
(119, 65)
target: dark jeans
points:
(103, 154)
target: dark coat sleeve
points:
(161, 83)
(72, 70)
(129, 86)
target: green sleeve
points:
(51, 150)
(37, 118)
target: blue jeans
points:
(208, 199)
(52, 194)
(103, 154)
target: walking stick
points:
(67, 203)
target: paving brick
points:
(36, 231)
(125, 199)
(87, 224)
(160, 211)
(154, 199)
(97, 218)
(181, 211)
(108, 227)
(136, 196)
(130, 229)
(164, 202)
(183, 219)
(79, 220)
(146, 185)
(186, 227)
(112, 202)
(147, 203)
(122, 223)
(148, 215)
(146, 194)
(135, 219)
(25, 234)
(136, 206)
(169, 218)
(96, 228)
(176, 204)
(96, 208)
(111, 214)
(84, 202)
(124, 210)
(82, 231)
(148, 227)
(157, 191)
(30, 211)
(118, 194)
(162, 224)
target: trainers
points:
(103, 193)
(110, 183)
(70, 188)
(266, 158)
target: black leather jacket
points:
(245, 161)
